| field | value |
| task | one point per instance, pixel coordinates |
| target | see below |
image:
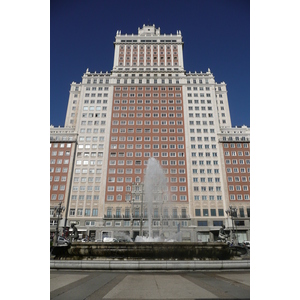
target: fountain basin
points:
(145, 250)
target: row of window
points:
(85, 197)
(151, 95)
(93, 146)
(111, 188)
(240, 153)
(235, 161)
(148, 64)
(147, 154)
(97, 115)
(145, 162)
(95, 80)
(94, 88)
(94, 95)
(91, 139)
(142, 171)
(238, 178)
(213, 212)
(147, 115)
(238, 187)
(140, 108)
(87, 179)
(239, 197)
(202, 101)
(106, 81)
(146, 146)
(238, 170)
(86, 101)
(204, 223)
(86, 171)
(55, 187)
(128, 47)
(147, 123)
(208, 171)
(201, 154)
(145, 138)
(58, 178)
(59, 161)
(197, 95)
(155, 223)
(89, 123)
(203, 179)
(198, 108)
(89, 162)
(237, 145)
(140, 88)
(92, 108)
(87, 154)
(205, 197)
(128, 197)
(84, 188)
(207, 189)
(87, 212)
(59, 197)
(60, 145)
(197, 115)
(58, 170)
(60, 153)
(147, 56)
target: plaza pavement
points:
(150, 285)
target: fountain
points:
(148, 247)
(155, 186)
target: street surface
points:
(92, 285)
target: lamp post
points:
(231, 212)
(58, 210)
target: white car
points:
(62, 241)
(109, 240)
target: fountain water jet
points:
(155, 186)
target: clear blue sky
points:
(216, 35)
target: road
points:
(92, 285)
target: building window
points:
(202, 223)
(218, 223)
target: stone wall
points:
(148, 251)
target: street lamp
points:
(232, 212)
(58, 210)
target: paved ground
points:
(92, 285)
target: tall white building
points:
(148, 106)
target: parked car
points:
(247, 244)
(125, 240)
(85, 240)
(109, 240)
(62, 241)
(98, 241)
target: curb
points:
(149, 265)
